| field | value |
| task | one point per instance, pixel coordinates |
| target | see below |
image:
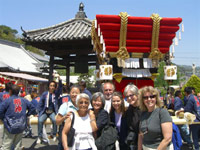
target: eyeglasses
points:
(147, 97)
(131, 96)
(81, 102)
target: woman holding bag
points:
(84, 125)
(155, 122)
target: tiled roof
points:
(15, 57)
(78, 28)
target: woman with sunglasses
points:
(132, 115)
(155, 123)
(117, 116)
(84, 125)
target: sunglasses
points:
(147, 97)
(81, 102)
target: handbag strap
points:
(73, 115)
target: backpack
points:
(108, 137)
(176, 136)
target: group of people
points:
(139, 118)
(190, 104)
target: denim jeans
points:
(41, 121)
(185, 134)
(195, 128)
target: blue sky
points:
(35, 14)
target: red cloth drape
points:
(138, 82)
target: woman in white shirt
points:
(84, 125)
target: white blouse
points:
(83, 133)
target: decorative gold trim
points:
(155, 53)
(133, 55)
(122, 53)
(97, 46)
(153, 76)
(137, 55)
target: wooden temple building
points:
(67, 43)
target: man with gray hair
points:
(108, 88)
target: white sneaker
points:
(38, 141)
(54, 138)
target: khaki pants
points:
(168, 148)
(11, 140)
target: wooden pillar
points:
(51, 66)
(68, 73)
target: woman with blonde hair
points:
(84, 125)
(155, 123)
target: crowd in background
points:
(135, 119)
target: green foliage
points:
(162, 84)
(87, 78)
(34, 50)
(7, 33)
(159, 81)
(193, 81)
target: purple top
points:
(118, 120)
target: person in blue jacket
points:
(5, 94)
(193, 106)
(178, 105)
(48, 107)
(82, 85)
(13, 112)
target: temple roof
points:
(70, 30)
(14, 57)
(73, 29)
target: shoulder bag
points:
(71, 133)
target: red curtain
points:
(138, 82)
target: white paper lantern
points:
(105, 72)
(170, 72)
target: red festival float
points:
(129, 48)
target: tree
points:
(193, 81)
(159, 81)
(87, 78)
(162, 84)
(7, 33)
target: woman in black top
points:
(101, 115)
(117, 116)
(132, 115)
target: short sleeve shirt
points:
(150, 126)
(66, 107)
